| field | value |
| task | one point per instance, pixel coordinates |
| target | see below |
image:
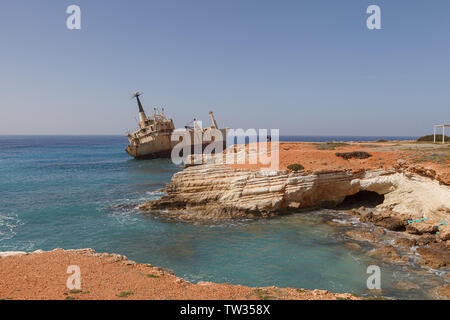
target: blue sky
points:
(307, 67)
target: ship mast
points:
(213, 120)
(142, 115)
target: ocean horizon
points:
(284, 138)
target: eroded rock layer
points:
(214, 191)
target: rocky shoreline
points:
(404, 223)
(43, 275)
(414, 200)
(423, 253)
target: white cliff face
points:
(416, 196)
(217, 191)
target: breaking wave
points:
(8, 224)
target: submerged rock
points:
(404, 242)
(353, 246)
(361, 235)
(406, 286)
(388, 253)
(434, 258)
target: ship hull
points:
(161, 147)
(139, 155)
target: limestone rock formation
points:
(215, 191)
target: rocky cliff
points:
(214, 191)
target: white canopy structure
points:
(443, 131)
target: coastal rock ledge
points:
(215, 191)
(43, 275)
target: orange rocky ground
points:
(109, 276)
(425, 159)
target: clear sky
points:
(308, 67)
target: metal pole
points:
(443, 134)
(434, 134)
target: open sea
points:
(83, 191)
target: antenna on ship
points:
(142, 116)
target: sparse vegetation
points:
(354, 154)
(377, 298)
(152, 275)
(368, 146)
(263, 294)
(430, 138)
(125, 294)
(295, 167)
(75, 291)
(330, 145)
(441, 155)
(70, 298)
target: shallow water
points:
(79, 192)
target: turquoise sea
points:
(83, 191)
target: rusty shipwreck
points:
(154, 137)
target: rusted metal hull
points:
(153, 155)
(162, 147)
(134, 152)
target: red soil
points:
(384, 156)
(103, 276)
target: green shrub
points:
(330, 145)
(75, 291)
(263, 294)
(125, 294)
(295, 167)
(354, 154)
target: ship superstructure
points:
(153, 137)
